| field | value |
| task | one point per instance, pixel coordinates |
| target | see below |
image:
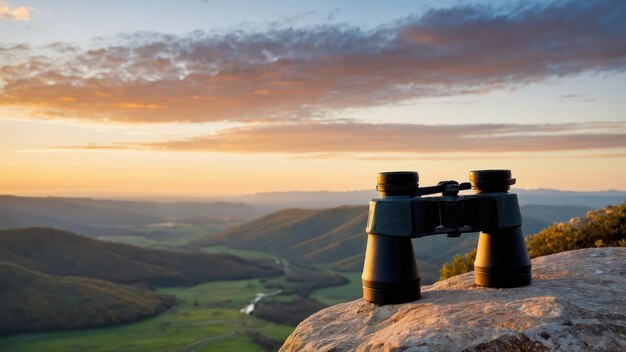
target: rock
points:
(575, 303)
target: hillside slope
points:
(57, 252)
(336, 236)
(292, 233)
(31, 301)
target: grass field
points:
(167, 237)
(133, 240)
(238, 252)
(339, 294)
(206, 318)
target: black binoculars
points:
(390, 272)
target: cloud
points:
(290, 74)
(331, 138)
(576, 97)
(19, 13)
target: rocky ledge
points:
(575, 303)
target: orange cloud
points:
(288, 74)
(68, 99)
(140, 106)
(19, 13)
(398, 138)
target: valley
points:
(205, 317)
(203, 313)
(200, 273)
(207, 175)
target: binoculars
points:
(390, 273)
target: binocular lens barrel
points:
(390, 273)
(502, 259)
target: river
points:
(256, 299)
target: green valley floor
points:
(206, 318)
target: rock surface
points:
(575, 303)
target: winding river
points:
(248, 308)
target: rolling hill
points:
(57, 252)
(95, 217)
(171, 224)
(31, 301)
(336, 236)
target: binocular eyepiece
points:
(390, 273)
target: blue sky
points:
(80, 21)
(308, 89)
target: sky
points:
(218, 98)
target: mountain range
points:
(98, 217)
(327, 199)
(163, 223)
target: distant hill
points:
(58, 252)
(171, 224)
(96, 217)
(31, 301)
(307, 199)
(537, 217)
(327, 199)
(594, 200)
(336, 236)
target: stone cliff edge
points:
(575, 303)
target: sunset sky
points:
(213, 98)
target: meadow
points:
(339, 294)
(206, 317)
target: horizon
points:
(237, 198)
(208, 100)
